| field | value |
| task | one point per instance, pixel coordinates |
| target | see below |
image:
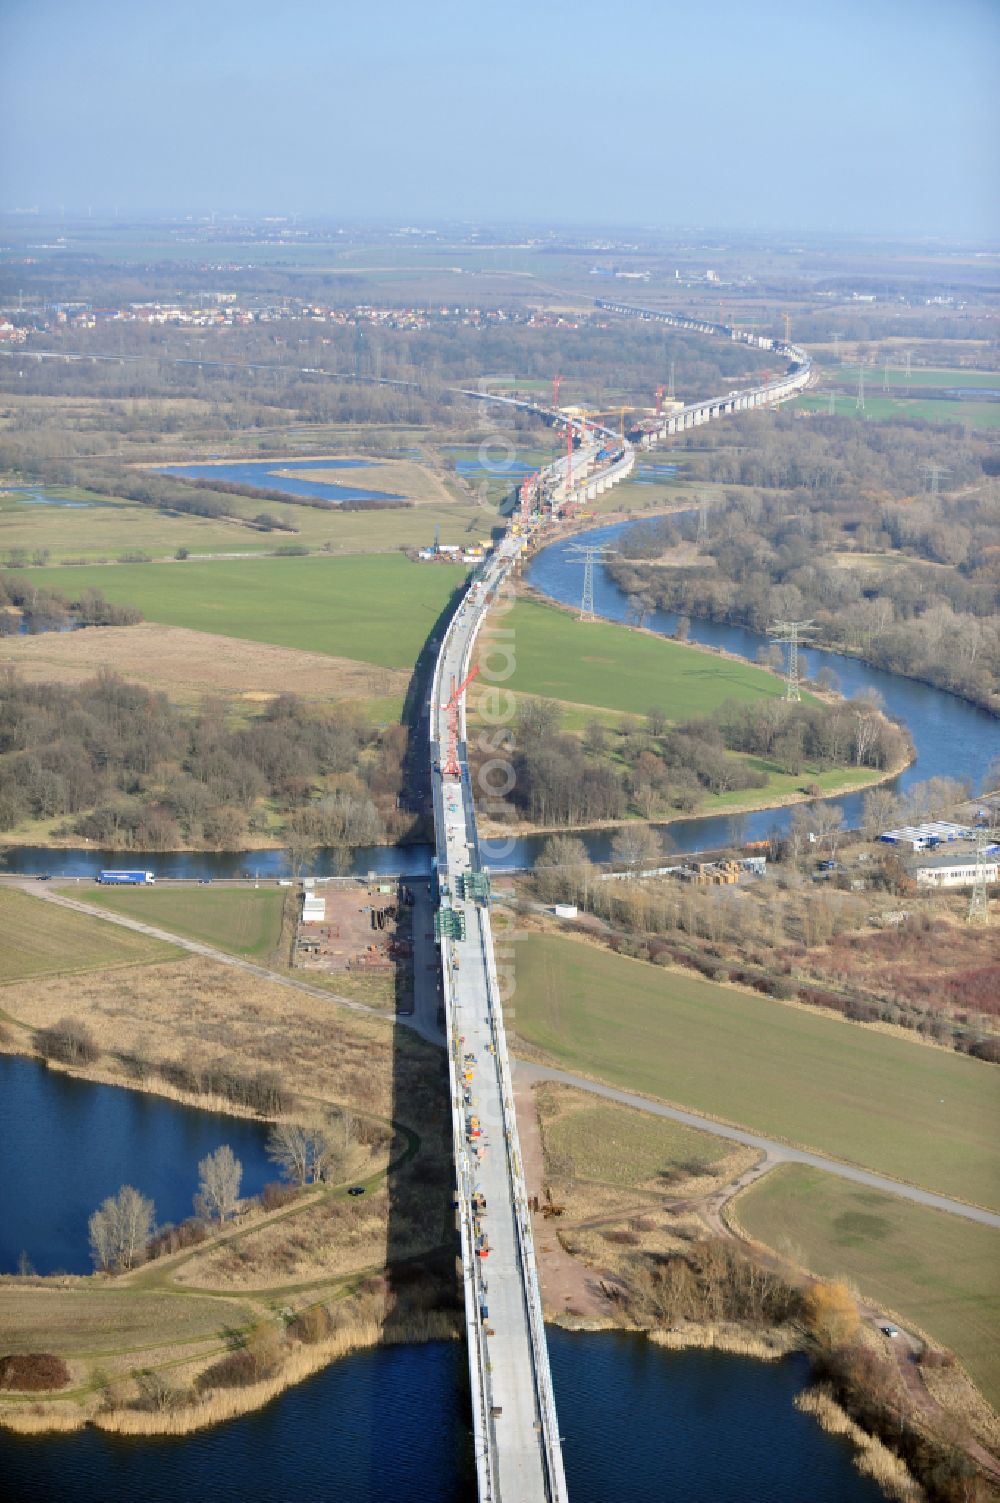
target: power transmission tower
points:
(885, 374)
(979, 902)
(934, 471)
(831, 404)
(792, 634)
(587, 553)
(909, 370)
(859, 405)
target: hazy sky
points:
(859, 115)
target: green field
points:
(901, 1109)
(937, 376)
(107, 527)
(879, 408)
(245, 921)
(38, 939)
(377, 610)
(603, 664)
(938, 1271)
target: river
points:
(389, 1426)
(951, 737)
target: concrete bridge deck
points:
(516, 1433)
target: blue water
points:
(390, 1426)
(265, 474)
(951, 738)
(697, 1427)
(647, 473)
(67, 1144)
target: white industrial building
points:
(958, 870)
(313, 908)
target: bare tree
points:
(288, 1147)
(880, 810)
(635, 847)
(309, 1154)
(120, 1229)
(801, 828)
(327, 1156)
(302, 840)
(828, 821)
(219, 1176)
(537, 719)
(563, 869)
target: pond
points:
(265, 474)
(69, 1143)
(37, 496)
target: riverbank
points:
(493, 829)
(640, 1208)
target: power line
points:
(934, 471)
(979, 902)
(587, 553)
(792, 634)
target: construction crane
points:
(556, 383)
(787, 321)
(661, 392)
(451, 767)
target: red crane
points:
(556, 383)
(451, 767)
(661, 392)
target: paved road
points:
(778, 1152)
(425, 1023)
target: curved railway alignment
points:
(516, 1432)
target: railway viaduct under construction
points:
(515, 1427)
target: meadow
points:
(598, 663)
(879, 408)
(375, 610)
(244, 921)
(40, 939)
(187, 666)
(934, 1270)
(902, 1109)
(104, 528)
(920, 376)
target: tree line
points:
(647, 766)
(24, 603)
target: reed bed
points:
(767, 1345)
(871, 1457)
(300, 1363)
(43, 1418)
